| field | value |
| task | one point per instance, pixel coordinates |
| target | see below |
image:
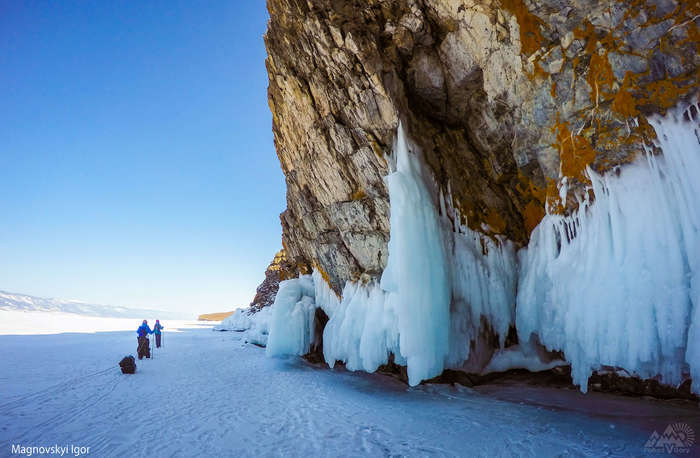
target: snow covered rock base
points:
(617, 283)
(255, 324)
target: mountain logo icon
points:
(676, 438)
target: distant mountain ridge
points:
(23, 302)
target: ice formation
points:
(363, 330)
(427, 308)
(416, 277)
(254, 324)
(527, 355)
(616, 283)
(483, 275)
(292, 321)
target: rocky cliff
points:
(280, 269)
(510, 101)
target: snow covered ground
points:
(210, 394)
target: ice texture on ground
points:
(209, 394)
(616, 282)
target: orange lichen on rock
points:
(529, 24)
(533, 214)
(534, 209)
(692, 29)
(495, 221)
(554, 203)
(600, 77)
(325, 277)
(626, 99)
(527, 187)
(664, 93)
(359, 194)
(624, 102)
(303, 268)
(575, 151)
(539, 72)
(587, 33)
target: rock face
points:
(510, 101)
(279, 269)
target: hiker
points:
(143, 348)
(156, 330)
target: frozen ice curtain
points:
(615, 283)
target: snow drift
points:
(617, 283)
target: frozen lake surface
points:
(210, 393)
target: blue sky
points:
(137, 165)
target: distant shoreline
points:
(219, 316)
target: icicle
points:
(291, 325)
(416, 273)
(428, 308)
(616, 283)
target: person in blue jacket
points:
(157, 328)
(144, 347)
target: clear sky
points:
(137, 166)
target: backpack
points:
(128, 365)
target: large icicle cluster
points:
(617, 283)
(416, 275)
(363, 330)
(292, 323)
(428, 306)
(483, 276)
